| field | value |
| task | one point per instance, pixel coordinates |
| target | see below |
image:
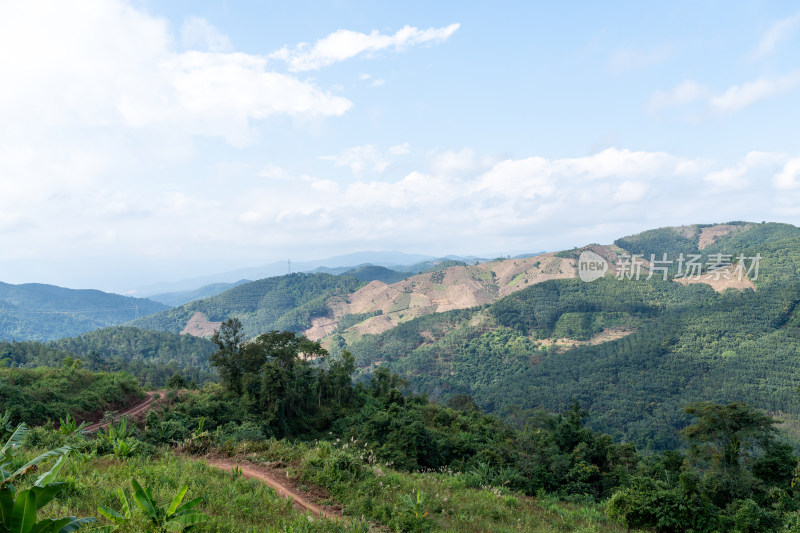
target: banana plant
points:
(172, 518)
(18, 510)
(112, 433)
(69, 426)
(118, 518)
(5, 424)
(124, 447)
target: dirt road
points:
(136, 410)
(299, 500)
(301, 503)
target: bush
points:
(331, 467)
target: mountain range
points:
(526, 333)
(35, 311)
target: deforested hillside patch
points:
(280, 303)
(385, 306)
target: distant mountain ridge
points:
(174, 299)
(39, 312)
(286, 302)
(386, 259)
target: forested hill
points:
(34, 311)
(181, 297)
(380, 306)
(634, 353)
(280, 303)
(152, 357)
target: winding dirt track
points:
(299, 501)
(137, 409)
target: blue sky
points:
(152, 141)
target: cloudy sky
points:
(145, 141)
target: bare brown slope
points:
(460, 287)
(457, 287)
(199, 326)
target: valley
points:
(440, 385)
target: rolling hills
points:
(526, 333)
(633, 352)
(34, 311)
(287, 302)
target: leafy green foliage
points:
(670, 241)
(19, 509)
(152, 356)
(736, 477)
(42, 394)
(69, 426)
(176, 516)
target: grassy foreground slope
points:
(238, 505)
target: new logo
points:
(591, 266)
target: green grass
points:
(233, 504)
(517, 279)
(452, 501)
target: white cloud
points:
(108, 65)
(345, 44)
(789, 177)
(778, 32)
(630, 59)
(359, 159)
(630, 191)
(464, 163)
(729, 178)
(379, 82)
(400, 149)
(738, 97)
(755, 167)
(686, 92)
(102, 120)
(274, 172)
(368, 157)
(198, 34)
(221, 93)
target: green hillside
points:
(656, 346)
(151, 356)
(367, 273)
(34, 311)
(280, 303)
(181, 297)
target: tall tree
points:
(726, 439)
(228, 358)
